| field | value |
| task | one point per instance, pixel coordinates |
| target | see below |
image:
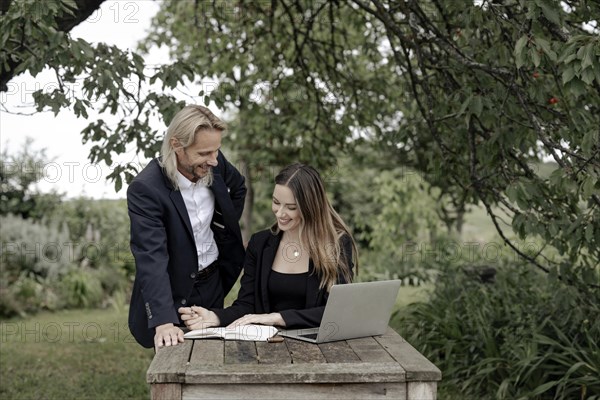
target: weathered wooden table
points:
(367, 368)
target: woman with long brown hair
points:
(289, 268)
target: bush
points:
(43, 265)
(526, 336)
(81, 288)
(32, 257)
(27, 294)
(33, 248)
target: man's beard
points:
(207, 179)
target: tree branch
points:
(64, 23)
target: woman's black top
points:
(287, 291)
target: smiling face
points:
(196, 161)
(286, 209)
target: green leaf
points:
(550, 10)
(589, 233)
(534, 54)
(465, 104)
(476, 106)
(519, 54)
(518, 224)
(118, 183)
(587, 76)
(590, 139)
(520, 45)
(545, 47)
(588, 56)
(576, 87)
(511, 193)
(543, 388)
(87, 49)
(568, 74)
(553, 228)
(587, 186)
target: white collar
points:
(184, 182)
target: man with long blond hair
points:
(184, 210)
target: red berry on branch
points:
(536, 75)
(553, 100)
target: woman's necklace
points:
(294, 246)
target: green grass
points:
(85, 354)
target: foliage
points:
(35, 36)
(99, 232)
(523, 336)
(37, 267)
(33, 248)
(457, 79)
(82, 289)
(78, 257)
(461, 78)
(19, 174)
(389, 212)
(472, 94)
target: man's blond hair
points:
(184, 127)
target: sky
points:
(69, 171)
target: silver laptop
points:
(352, 310)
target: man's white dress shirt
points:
(200, 204)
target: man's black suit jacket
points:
(253, 297)
(163, 244)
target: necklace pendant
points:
(296, 253)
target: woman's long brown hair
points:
(321, 227)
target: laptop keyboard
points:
(309, 336)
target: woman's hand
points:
(273, 319)
(195, 317)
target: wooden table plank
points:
(208, 352)
(295, 373)
(304, 352)
(240, 352)
(300, 391)
(369, 350)
(273, 353)
(417, 367)
(338, 352)
(169, 364)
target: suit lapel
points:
(266, 264)
(177, 200)
(221, 192)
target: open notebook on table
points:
(257, 333)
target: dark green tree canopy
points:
(472, 94)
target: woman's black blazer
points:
(253, 297)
